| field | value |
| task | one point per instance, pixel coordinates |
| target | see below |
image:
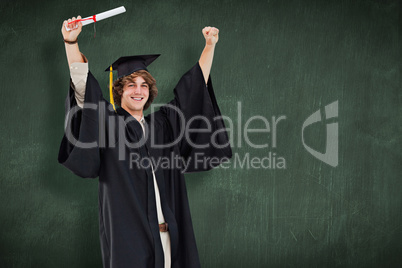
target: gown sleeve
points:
(79, 149)
(197, 122)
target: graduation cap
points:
(128, 65)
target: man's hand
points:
(211, 35)
(207, 55)
(75, 29)
(72, 50)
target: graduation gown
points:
(101, 142)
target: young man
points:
(144, 216)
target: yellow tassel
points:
(111, 88)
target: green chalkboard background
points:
(274, 58)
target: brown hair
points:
(119, 84)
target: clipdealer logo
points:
(243, 131)
(330, 156)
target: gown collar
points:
(131, 121)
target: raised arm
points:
(211, 35)
(70, 40)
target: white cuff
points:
(79, 73)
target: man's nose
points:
(137, 90)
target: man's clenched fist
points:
(211, 35)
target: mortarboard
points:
(128, 65)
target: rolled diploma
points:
(101, 16)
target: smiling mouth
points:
(137, 99)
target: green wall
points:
(274, 58)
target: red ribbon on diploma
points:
(93, 18)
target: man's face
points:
(135, 95)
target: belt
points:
(163, 227)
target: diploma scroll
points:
(100, 16)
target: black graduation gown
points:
(97, 143)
